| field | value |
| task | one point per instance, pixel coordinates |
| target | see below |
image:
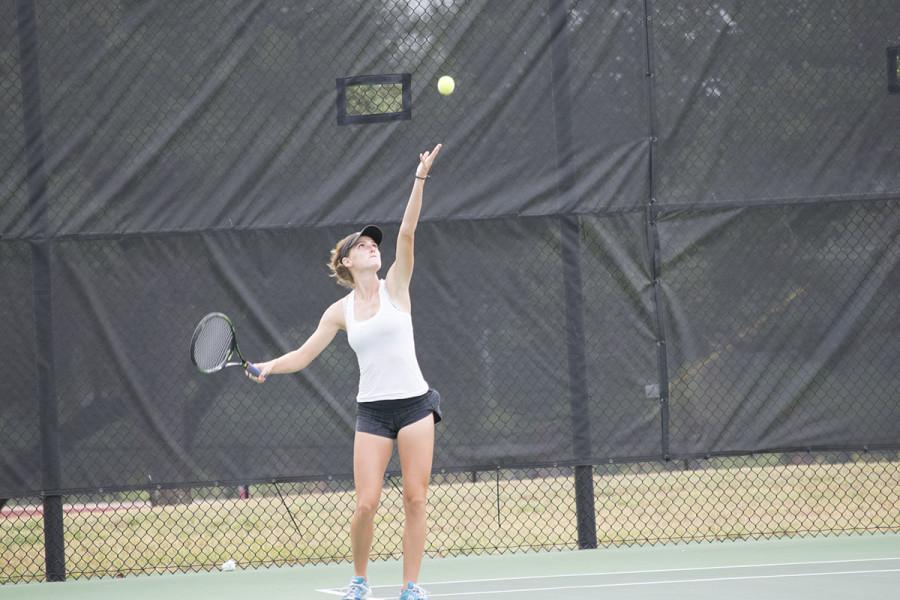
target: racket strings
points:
(213, 344)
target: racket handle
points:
(252, 369)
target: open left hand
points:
(425, 161)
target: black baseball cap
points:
(369, 230)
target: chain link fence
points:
(503, 510)
(657, 273)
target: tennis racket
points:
(214, 345)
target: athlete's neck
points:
(366, 285)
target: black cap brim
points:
(373, 232)
(369, 230)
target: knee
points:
(415, 501)
(366, 508)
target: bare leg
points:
(371, 454)
(415, 443)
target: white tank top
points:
(385, 349)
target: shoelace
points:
(416, 593)
(358, 589)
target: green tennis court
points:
(819, 568)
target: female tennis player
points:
(394, 400)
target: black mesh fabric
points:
(649, 236)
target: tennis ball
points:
(446, 85)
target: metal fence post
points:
(571, 258)
(41, 253)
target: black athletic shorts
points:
(387, 417)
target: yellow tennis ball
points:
(446, 85)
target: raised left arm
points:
(400, 273)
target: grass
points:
(638, 506)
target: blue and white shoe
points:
(413, 592)
(358, 589)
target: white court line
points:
(339, 592)
(669, 582)
(675, 570)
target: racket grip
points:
(252, 369)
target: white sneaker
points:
(358, 589)
(413, 592)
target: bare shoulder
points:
(334, 314)
(398, 291)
